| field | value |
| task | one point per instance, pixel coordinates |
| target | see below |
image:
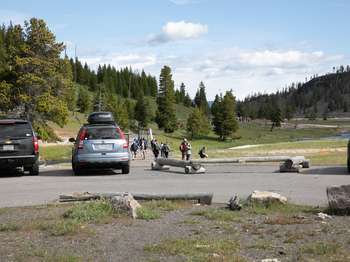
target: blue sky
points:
(247, 46)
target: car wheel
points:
(126, 169)
(349, 165)
(34, 169)
(76, 170)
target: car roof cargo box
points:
(101, 118)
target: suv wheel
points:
(76, 170)
(126, 169)
(34, 169)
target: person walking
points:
(188, 151)
(183, 148)
(165, 150)
(155, 148)
(143, 148)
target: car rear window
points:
(16, 130)
(102, 133)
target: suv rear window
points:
(18, 130)
(102, 133)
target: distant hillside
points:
(322, 96)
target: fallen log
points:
(202, 198)
(291, 164)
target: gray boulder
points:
(339, 198)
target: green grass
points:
(92, 212)
(165, 205)
(198, 249)
(9, 227)
(56, 152)
(147, 213)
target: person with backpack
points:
(202, 153)
(155, 148)
(165, 150)
(183, 148)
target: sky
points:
(248, 46)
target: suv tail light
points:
(81, 138)
(35, 144)
(122, 136)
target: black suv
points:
(18, 146)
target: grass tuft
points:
(9, 227)
(147, 213)
(93, 212)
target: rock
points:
(339, 198)
(127, 203)
(323, 216)
(234, 204)
(267, 197)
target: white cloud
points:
(244, 71)
(136, 61)
(181, 30)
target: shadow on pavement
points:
(87, 173)
(336, 170)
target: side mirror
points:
(72, 140)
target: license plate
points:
(103, 147)
(8, 147)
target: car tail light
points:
(122, 136)
(35, 144)
(81, 138)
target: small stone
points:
(126, 202)
(270, 260)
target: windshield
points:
(102, 133)
(15, 130)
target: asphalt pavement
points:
(308, 187)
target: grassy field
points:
(281, 141)
(55, 152)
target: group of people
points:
(163, 149)
(139, 144)
(186, 150)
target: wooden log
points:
(202, 198)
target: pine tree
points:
(84, 101)
(166, 118)
(275, 115)
(142, 113)
(224, 115)
(201, 101)
(197, 124)
(41, 86)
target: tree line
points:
(38, 83)
(319, 96)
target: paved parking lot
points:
(308, 187)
